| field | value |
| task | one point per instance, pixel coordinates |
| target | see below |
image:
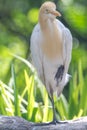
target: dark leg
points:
(54, 114)
(55, 121)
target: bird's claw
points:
(58, 122)
(54, 122)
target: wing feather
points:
(36, 51)
(67, 44)
(67, 50)
(68, 47)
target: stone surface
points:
(17, 123)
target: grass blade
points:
(31, 100)
(16, 101)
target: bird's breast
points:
(52, 45)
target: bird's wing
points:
(67, 37)
(67, 44)
(35, 50)
(67, 49)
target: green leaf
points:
(31, 100)
(16, 101)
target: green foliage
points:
(33, 15)
(26, 105)
(75, 16)
(21, 92)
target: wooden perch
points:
(17, 123)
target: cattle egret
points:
(51, 47)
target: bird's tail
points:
(67, 78)
(60, 89)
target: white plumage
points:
(51, 46)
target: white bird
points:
(51, 47)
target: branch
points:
(18, 123)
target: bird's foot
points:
(54, 122)
(58, 122)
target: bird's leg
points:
(55, 121)
(54, 114)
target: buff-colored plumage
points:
(51, 45)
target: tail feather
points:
(67, 78)
(60, 89)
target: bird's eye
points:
(47, 11)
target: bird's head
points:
(48, 11)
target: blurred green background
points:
(17, 19)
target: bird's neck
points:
(48, 27)
(45, 24)
(52, 44)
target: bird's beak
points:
(56, 13)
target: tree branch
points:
(18, 123)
